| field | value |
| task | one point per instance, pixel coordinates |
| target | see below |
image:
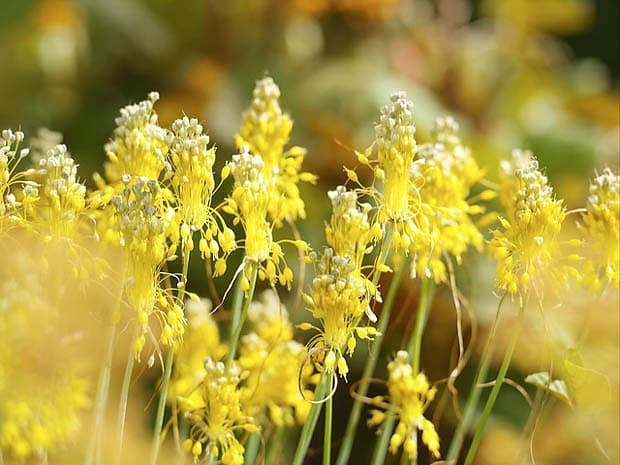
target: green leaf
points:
(556, 387)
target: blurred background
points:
(541, 75)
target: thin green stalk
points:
(313, 416)
(327, 437)
(491, 400)
(252, 447)
(101, 400)
(371, 363)
(236, 331)
(161, 407)
(122, 408)
(404, 459)
(424, 306)
(381, 447)
(474, 395)
(273, 446)
(163, 395)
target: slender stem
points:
(163, 395)
(122, 408)
(404, 459)
(161, 407)
(371, 363)
(313, 416)
(424, 306)
(474, 395)
(491, 400)
(236, 332)
(327, 437)
(252, 447)
(103, 388)
(274, 444)
(381, 447)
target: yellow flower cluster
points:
(265, 130)
(218, 414)
(201, 340)
(445, 170)
(396, 150)
(339, 298)
(527, 246)
(409, 396)
(601, 222)
(272, 358)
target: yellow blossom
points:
(272, 359)
(265, 129)
(409, 396)
(339, 298)
(527, 246)
(446, 171)
(601, 226)
(218, 415)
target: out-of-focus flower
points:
(601, 225)
(446, 171)
(272, 358)
(409, 397)
(527, 247)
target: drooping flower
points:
(446, 171)
(265, 130)
(272, 359)
(218, 415)
(527, 246)
(409, 396)
(338, 299)
(601, 226)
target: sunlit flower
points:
(445, 171)
(601, 223)
(338, 299)
(265, 130)
(218, 415)
(409, 396)
(527, 246)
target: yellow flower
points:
(272, 359)
(601, 224)
(527, 246)
(339, 298)
(201, 340)
(396, 149)
(446, 171)
(265, 130)
(218, 415)
(409, 397)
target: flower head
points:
(11, 208)
(601, 223)
(445, 171)
(218, 415)
(409, 396)
(527, 247)
(265, 129)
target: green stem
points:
(491, 400)
(274, 444)
(424, 306)
(313, 416)
(103, 388)
(236, 331)
(252, 447)
(122, 408)
(381, 447)
(371, 363)
(327, 437)
(161, 407)
(474, 395)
